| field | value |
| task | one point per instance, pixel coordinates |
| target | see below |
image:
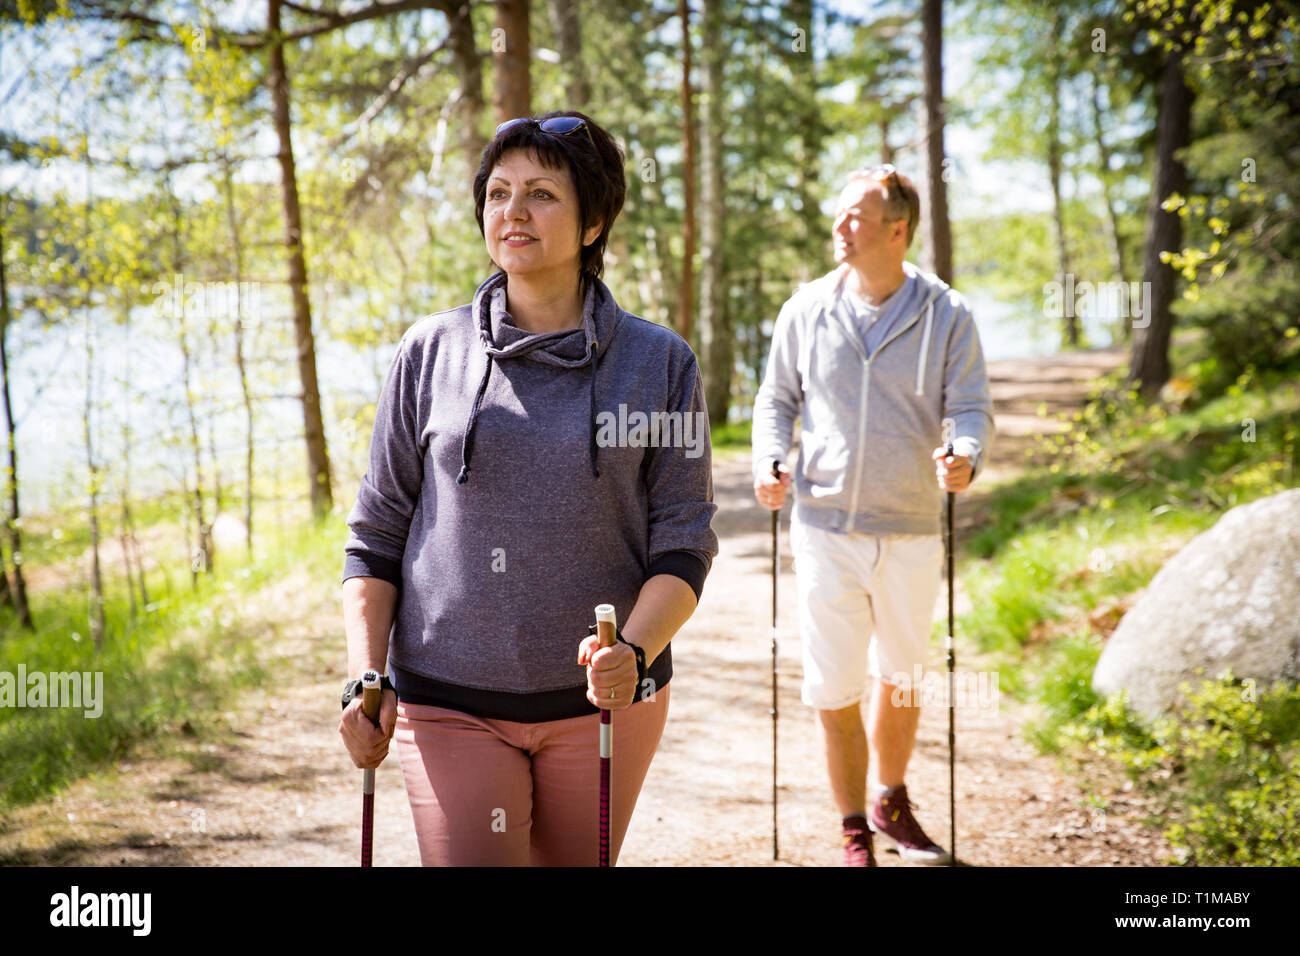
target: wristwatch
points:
(352, 689)
(639, 651)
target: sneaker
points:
(891, 817)
(857, 842)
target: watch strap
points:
(352, 688)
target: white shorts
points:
(851, 585)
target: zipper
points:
(924, 355)
(862, 443)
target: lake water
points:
(138, 378)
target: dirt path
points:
(280, 791)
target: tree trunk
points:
(6, 594)
(201, 557)
(13, 524)
(568, 33)
(469, 75)
(318, 463)
(1149, 366)
(1070, 332)
(214, 460)
(237, 255)
(512, 51)
(126, 528)
(1112, 218)
(716, 336)
(92, 487)
(886, 151)
(131, 546)
(97, 627)
(808, 118)
(686, 291)
(934, 217)
(126, 561)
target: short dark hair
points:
(595, 165)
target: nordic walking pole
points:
(371, 695)
(776, 567)
(949, 428)
(607, 632)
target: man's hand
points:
(770, 492)
(953, 472)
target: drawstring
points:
(595, 351)
(925, 349)
(467, 446)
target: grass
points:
(165, 672)
(733, 435)
(1065, 549)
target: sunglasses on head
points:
(883, 174)
(556, 126)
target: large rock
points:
(1229, 600)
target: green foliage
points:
(1252, 321)
(1059, 551)
(732, 435)
(1241, 229)
(1208, 445)
(1226, 765)
(167, 673)
(1136, 481)
(1064, 688)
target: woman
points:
(502, 505)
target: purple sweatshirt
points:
(518, 480)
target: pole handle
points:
(606, 625)
(372, 694)
(949, 433)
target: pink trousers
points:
(502, 793)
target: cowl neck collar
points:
(568, 348)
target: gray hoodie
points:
(871, 422)
(505, 503)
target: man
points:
(874, 355)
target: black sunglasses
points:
(556, 126)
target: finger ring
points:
(612, 693)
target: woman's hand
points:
(367, 744)
(611, 673)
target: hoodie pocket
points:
(900, 476)
(826, 461)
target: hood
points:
(832, 284)
(569, 348)
(831, 287)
